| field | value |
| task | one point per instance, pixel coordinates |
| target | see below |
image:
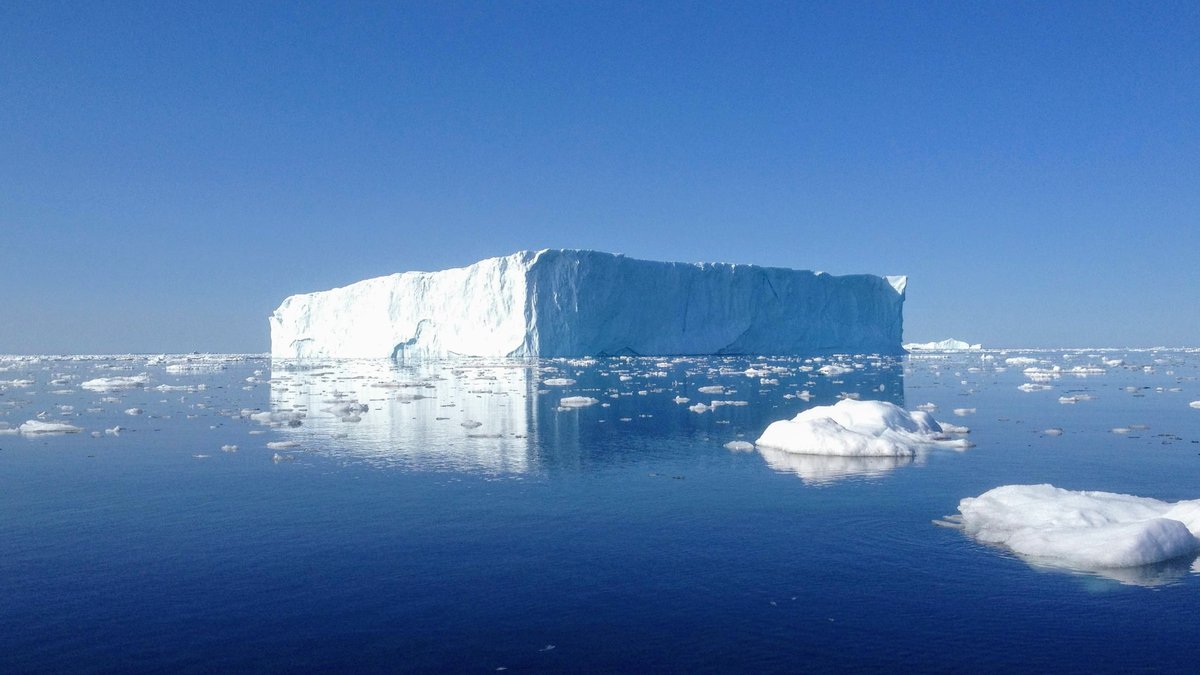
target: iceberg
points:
(565, 303)
(947, 345)
(853, 428)
(1082, 530)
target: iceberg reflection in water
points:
(459, 415)
(825, 469)
(511, 415)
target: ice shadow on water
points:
(500, 415)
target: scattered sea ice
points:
(577, 402)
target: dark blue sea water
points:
(618, 537)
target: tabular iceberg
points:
(572, 303)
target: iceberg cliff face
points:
(572, 303)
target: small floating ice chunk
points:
(558, 382)
(712, 389)
(116, 383)
(577, 402)
(282, 445)
(470, 424)
(1082, 529)
(858, 429)
(834, 369)
(963, 412)
(133, 411)
(1053, 431)
(1194, 404)
(739, 446)
(276, 418)
(1033, 386)
(229, 448)
(40, 427)
(277, 457)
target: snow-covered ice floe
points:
(554, 303)
(1083, 530)
(853, 428)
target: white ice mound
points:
(569, 303)
(853, 428)
(947, 345)
(1083, 530)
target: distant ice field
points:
(967, 510)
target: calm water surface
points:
(453, 517)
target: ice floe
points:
(577, 401)
(1082, 529)
(40, 427)
(116, 383)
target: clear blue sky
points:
(170, 171)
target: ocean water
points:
(452, 516)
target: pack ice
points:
(554, 303)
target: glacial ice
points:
(854, 428)
(570, 303)
(1082, 529)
